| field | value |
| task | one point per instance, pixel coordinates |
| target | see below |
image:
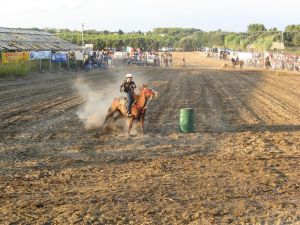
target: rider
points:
(128, 87)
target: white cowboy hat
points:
(128, 75)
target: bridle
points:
(148, 91)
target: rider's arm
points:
(122, 87)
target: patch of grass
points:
(22, 69)
(14, 69)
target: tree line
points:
(257, 37)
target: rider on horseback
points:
(128, 87)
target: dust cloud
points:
(97, 100)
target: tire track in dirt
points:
(261, 101)
(282, 84)
(57, 88)
(269, 92)
(215, 111)
(237, 97)
(165, 82)
(247, 97)
(274, 111)
(43, 98)
(234, 101)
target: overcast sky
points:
(134, 15)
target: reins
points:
(146, 105)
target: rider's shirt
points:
(128, 86)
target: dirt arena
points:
(240, 166)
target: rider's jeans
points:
(130, 101)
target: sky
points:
(134, 15)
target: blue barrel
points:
(186, 120)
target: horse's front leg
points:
(142, 121)
(130, 125)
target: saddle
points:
(124, 101)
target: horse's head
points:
(149, 92)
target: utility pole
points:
(82, 34)
(281, 36)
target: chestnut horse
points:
(138, 109)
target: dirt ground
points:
(240, 166)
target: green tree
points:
(186, 38)
(288, 38)
(187, 43)
(263, 43)
(216, 39)
(255, 27)
(296, 40)
(274, 29)
(292, 28)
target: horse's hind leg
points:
(130, 125)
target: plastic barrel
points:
(186, 120)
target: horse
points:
(138, 109)
(236, 62)
(267, 63)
